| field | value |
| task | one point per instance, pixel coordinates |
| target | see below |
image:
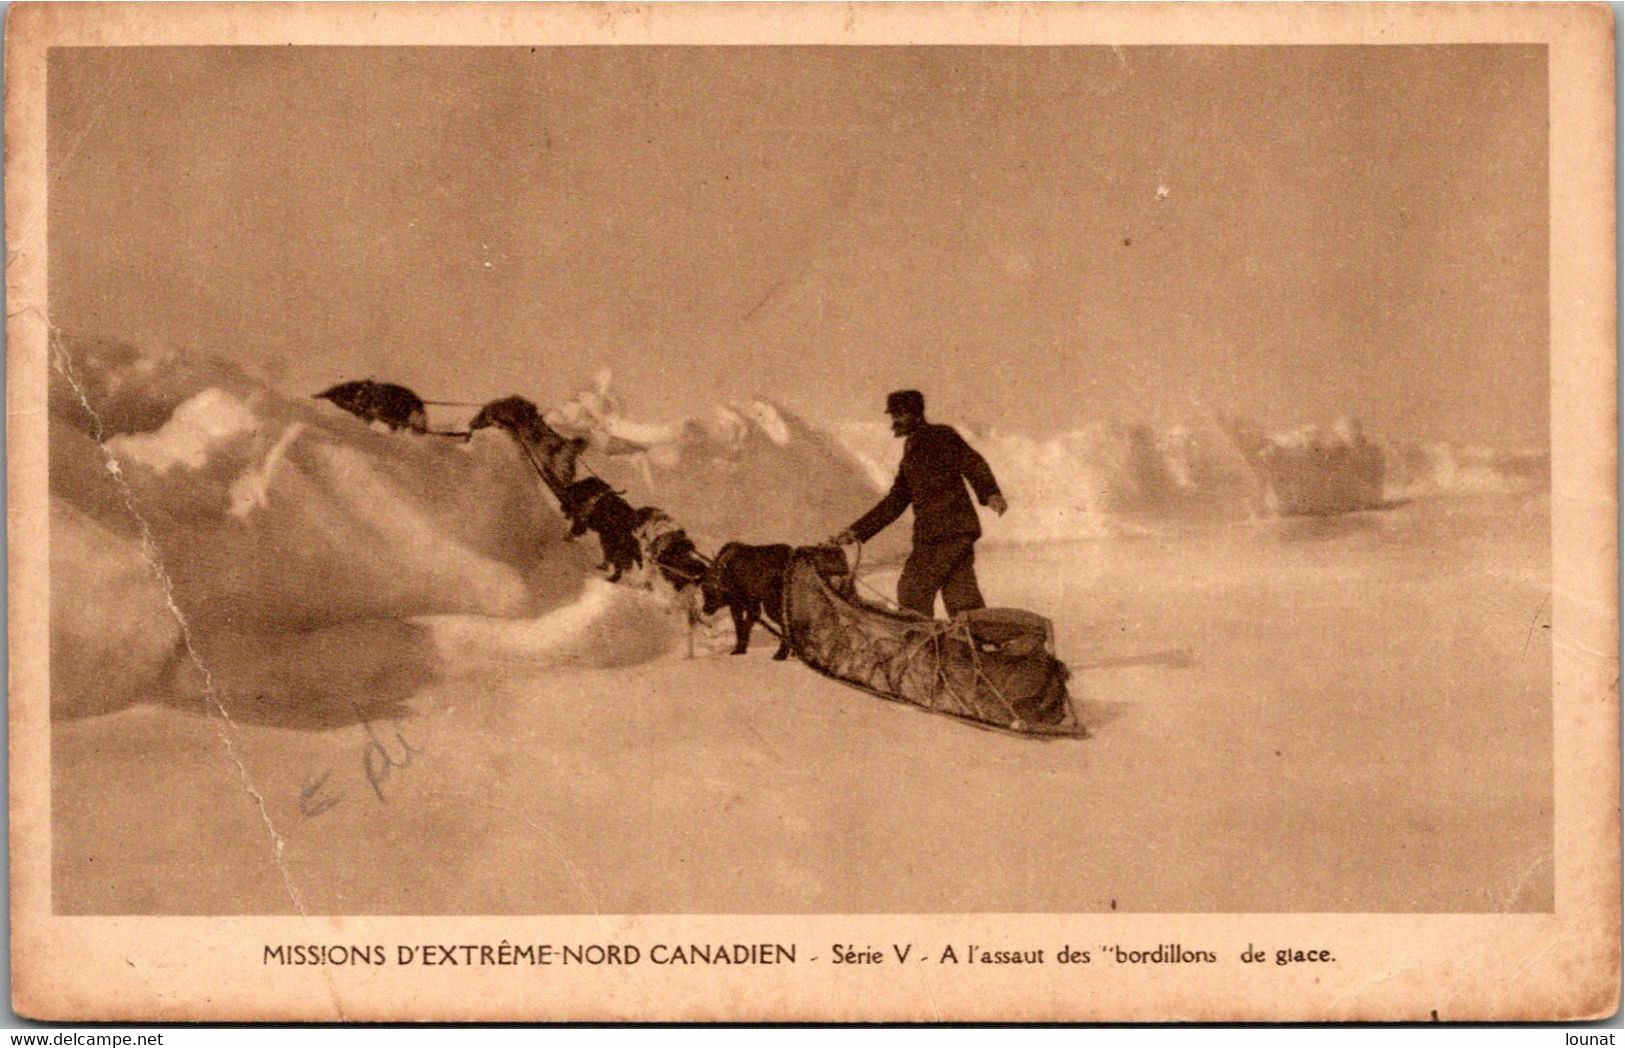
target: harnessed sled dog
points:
(591, 504)
(395, 406)
(749, 580)
(551, 454)
(667, 548)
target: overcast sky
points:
(1037, 237)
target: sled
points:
(994, 667)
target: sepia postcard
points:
(828, 512)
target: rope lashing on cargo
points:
(929, 664)
(938, 632)
(962, 628)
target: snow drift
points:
(262, 554)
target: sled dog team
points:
(748, 580)
(745, 579)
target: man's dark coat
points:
(936, 463)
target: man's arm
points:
(974, 468)
(886, 510)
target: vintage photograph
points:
(798, 479)
(433, 425)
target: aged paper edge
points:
(1564, 965)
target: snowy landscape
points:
(304, 664)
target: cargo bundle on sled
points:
(995, 667)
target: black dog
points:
(395, 406)
(667, 547)
(749, 580)
(593, 504)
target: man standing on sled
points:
(936, 464)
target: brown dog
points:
(750, 581)
(593, 504)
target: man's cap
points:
(905, 402)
